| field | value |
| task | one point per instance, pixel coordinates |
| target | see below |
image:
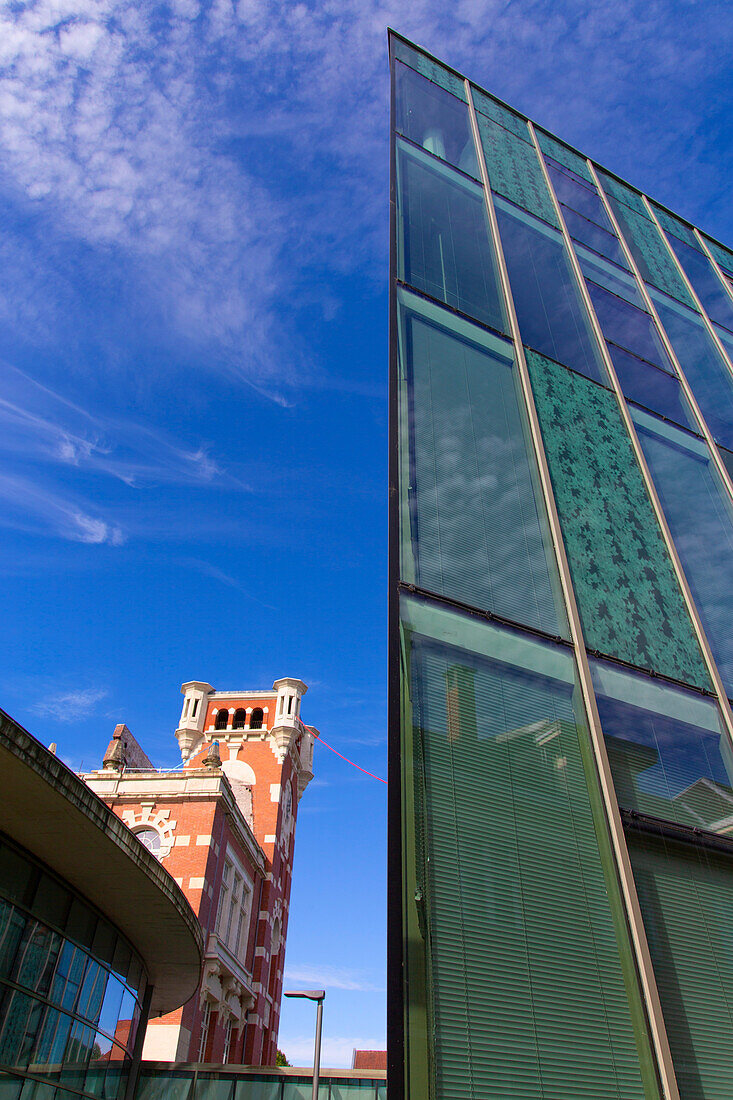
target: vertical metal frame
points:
(395, 903)
(725, 707)
(624, 871)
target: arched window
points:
(240, 717)
(221, 720)
(255, 722)
(150, 838)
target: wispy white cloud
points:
(69, 706)
(316, 976)
(38, 509)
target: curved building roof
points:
(52, 813)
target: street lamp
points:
(313, 995)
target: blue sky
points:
(193, 247)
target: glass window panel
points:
(629, 327)
(579, 196)
(92, 992)
(668, 751)
(81, 923)
(429, 68)
(652, 388)
(212, 1086)
(627, 592)
(36, 957)
(698, 513)
(500, 113)
(10, 1087)
(552, 318)
(115, 1079)
(105, 939)
(20, 1020)
(591, 235)
(714, 297)
(135, 976)
(474, 526)
(110, 1010)
(709, 378)
(37, 1090)
(257, 1087)
(609, 276)
(446, 249)
(79, 1051)
(727, 457)
(650, 252)
(121, 961)
(68, 976)
(12, 924)
(166, 1085)
(686, 898)
(514, 170)
(51, 902)
(17, 875)
(53, 1036)
(560, 152)
(508, 869)
(434, 119)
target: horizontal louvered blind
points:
(527, 995)
(686, 898)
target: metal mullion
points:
(636, 924)
(652, 309)
(720, 690)
(639, 945)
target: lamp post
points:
(318, 996)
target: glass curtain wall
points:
(511, 965)
(70, 989)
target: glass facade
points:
(166, 1083)
(70, 989)
(561, 588)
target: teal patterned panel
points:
(430, 69)
(651, 253)
(497, 112)
(675, 226)
(723, 255)
(629, 600)
(514, 170)
(622, 193)
(563, 155)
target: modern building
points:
(94, 935)
(561, 652)
(223, 826)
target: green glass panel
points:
(444, 245)
(165, 1085)
(651, 253)
(524, 980)
(429, 68)
(514, 170)
(563, 154)
(668, 751)
(498, 112)
(628, 596)
(686, 898)
(473, 526)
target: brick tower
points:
(223, 825)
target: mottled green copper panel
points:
(676, 226)
(497, 112)
(628, 596)
(514, 170)
(430, 69)
(723, 255)
(563, 155)
(651, 253)
(620, 191)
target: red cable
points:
(371, 774)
